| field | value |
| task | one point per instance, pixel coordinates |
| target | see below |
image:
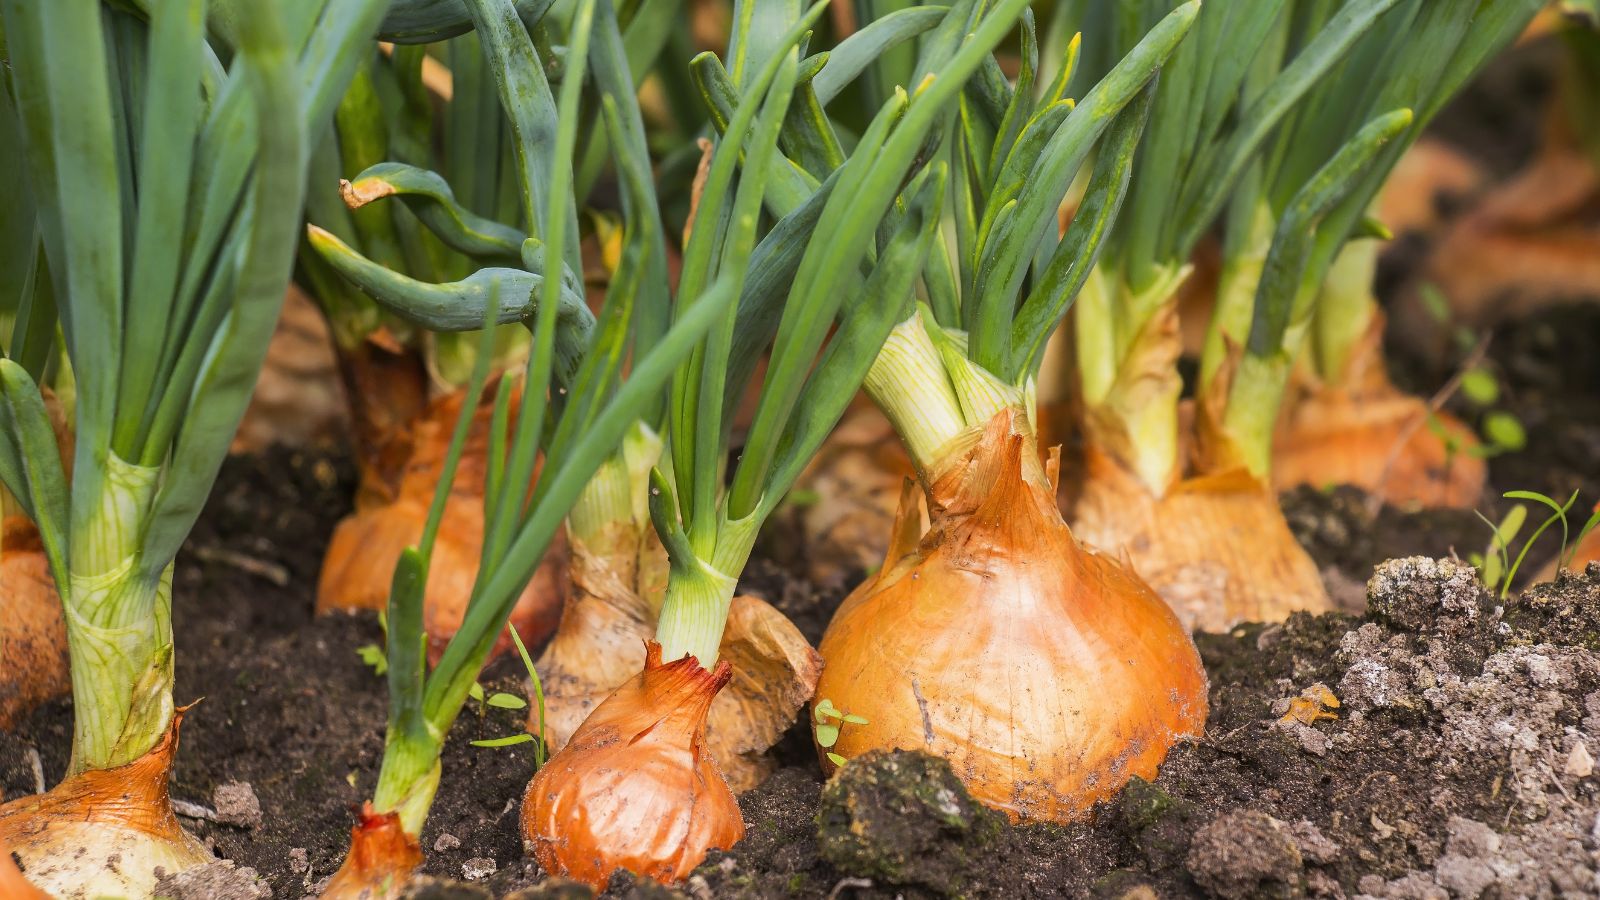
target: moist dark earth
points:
(1459, 761)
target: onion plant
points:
(1208, 537)
(635, 788)
(952, 644)
(575, 405)
(1345, 421)
(167, 191)
(406, 383)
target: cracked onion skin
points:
(636, 788)
(1047, 674)
(103, 832)
(381, 860)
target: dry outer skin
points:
(358, 568)
(1364, 431)
(103, 832)
(381, 859)
(1215, 547)
(636, 788)
(600, 645)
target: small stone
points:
(1579, 763)
(1470, 838)
(478, 868)
(1463, 877)
(237, 804)
(299, 861)
(446, 841)
(1381, 828)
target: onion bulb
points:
(636, 787)
(103, 832)
(615, 596)
(381, 860)
(1046, 673)
(1531, 242)
(1366, 432)
(12, 884)
(33, 638)
(366, 545)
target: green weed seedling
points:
(1498, 569)
(501, 700)
(829, 719)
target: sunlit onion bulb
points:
(104, 832)
(636, 788)
(1047, 675)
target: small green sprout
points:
(501, 700)
(1499, 569)
(829, 719)
(373, 655)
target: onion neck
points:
(1128, 345)
(119, 626)
(934, 396)
(619, 491)
(408, 780)
(1246, 258)
(908, 381)
(699, 593)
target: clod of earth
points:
(904, 818)
(1247, 855)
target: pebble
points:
(478, 868)
(1579, 763)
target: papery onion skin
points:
(33, 637)
(636, 787)
(358, 566)
(1047, 674)
(1215, 547)
(104, 832)
(1364, 431)
(381, 860)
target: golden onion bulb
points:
(636, 788)
(103, 832)
(1047, 674)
